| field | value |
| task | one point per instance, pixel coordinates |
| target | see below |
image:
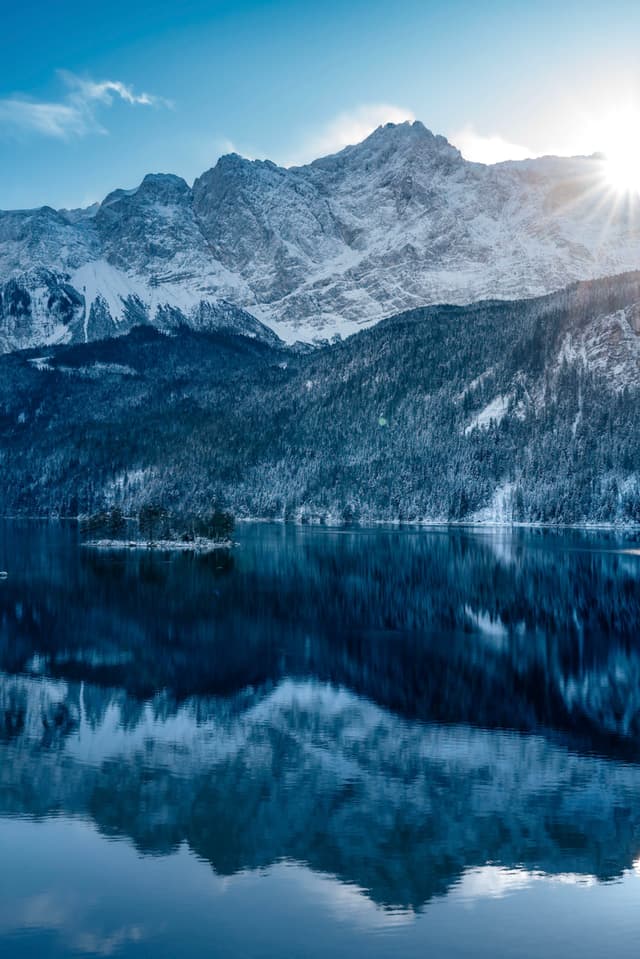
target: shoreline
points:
(199, 545)
(369, 524)
(418, 524)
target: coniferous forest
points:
(523, 411)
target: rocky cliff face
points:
(139, 257)
(397, 221)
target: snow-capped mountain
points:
(397, 221)
(138, 257)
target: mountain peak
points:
(410, 133)
(395, 221)
(410, 141)
(157, 185)
(408, 126)
(163, 181)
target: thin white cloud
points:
(219, 146)
(488, 149)
(349, 127)
(75, 114)
(50, 119)
(83, 90)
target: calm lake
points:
(326, 743)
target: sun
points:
(622, 171)
(622, 153)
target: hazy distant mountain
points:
(400, 220)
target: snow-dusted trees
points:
(444, 413)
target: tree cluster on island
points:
(155, 526)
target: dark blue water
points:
(364, 743)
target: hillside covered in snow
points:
(501, 411)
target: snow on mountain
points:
(138, 257)
(397, 221)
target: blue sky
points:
(93, 96)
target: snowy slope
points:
(397, 221)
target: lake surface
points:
(366, 743)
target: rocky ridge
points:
(400, 220)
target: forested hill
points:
(525, 411)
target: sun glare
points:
(622, 153)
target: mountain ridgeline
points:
(500, 411)
(395, 222)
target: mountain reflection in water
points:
(412, 715)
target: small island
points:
(156, 528)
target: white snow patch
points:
(96, 370)
(499, 511)
(493, 412)
(100, 280)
